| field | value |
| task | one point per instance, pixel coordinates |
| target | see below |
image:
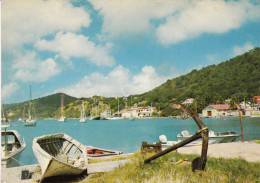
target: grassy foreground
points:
(175, 167)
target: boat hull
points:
(12, 159)
(52, 165)
(9, 157)
(62, 119)
(30, 123)
(82, 120)
(98, 152)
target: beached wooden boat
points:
(11, 144)
(60, 154)
(97, 152)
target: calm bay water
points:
(126, 135)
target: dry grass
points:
(175, 167)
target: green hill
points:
(237, 78)
(41, 108)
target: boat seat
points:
(62, 157)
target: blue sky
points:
(117, 47)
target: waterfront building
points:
(218, 110)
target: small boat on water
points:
(30, 121)
(220, 137)
(82, 118)
(114, 118)
(59, 155)
(11, 146)
(97, 152)
(62, 118)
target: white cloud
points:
(9, 89)
(206, 16)
(133, 16)
(29, 68)
(238, 50)
(73, 45)
(119, 82)
(26, 21)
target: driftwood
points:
(198, 163)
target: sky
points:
(116, 48)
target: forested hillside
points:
(237, 78)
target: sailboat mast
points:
(61, 108)
(30, 103)
(118, 105)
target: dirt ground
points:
(249, 151)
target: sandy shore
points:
(249, 151)
(13, 175)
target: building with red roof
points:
(217, 110)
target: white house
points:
(139, 112)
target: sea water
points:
(127, 135)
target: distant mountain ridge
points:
(237, 78)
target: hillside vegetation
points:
(237, 78)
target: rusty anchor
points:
(200, 162)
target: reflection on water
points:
(127, 135)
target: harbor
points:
(132, 91)
(125, 135)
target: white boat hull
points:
(62, 119)
(11, 154)
(30, 122)
(54, 166)
(82, 120)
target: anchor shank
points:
(174, 147)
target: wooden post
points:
(241, 121)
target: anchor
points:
(203, 132)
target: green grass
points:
(172, 168)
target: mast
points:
(61, 108)
(30, 103)
(118, 105)
(82, 111)
(3, 114)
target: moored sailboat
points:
(82, 118)
(29, 121)
(62, 118)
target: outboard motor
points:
(163, 139)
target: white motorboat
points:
(165, 143)
(114, 118)
(12, 146)
(62, 118)
(60, 155)
(220, 137)
(82, 118)
(30, 121)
